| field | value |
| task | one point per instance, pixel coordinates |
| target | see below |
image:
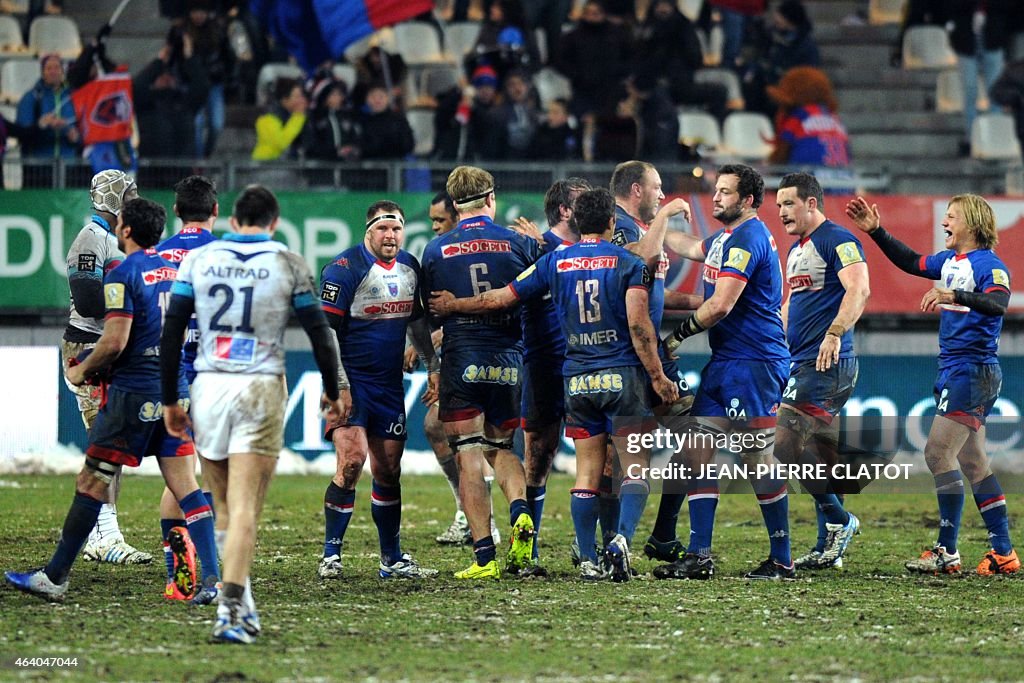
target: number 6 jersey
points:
(244, 288)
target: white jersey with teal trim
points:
(245, 288)
(93, 254)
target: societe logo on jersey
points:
(174, 255)
(587, 263)
(158, 275)
(389, 308)
(476, 247)
(801, 281)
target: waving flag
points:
(314, 31)
(104, 108)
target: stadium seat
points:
(10, 34)
(345, 72)
(418, 43)
(17, 76)
(421, 121)
(927, 47)
(384, 38)
(993, 138)
(748, 135)
(460, 37)
(55, 34)
(541, 39)
(885, 11)
(949, 92)
(697, 128)
(437, 79)
(552, 85)
(726, 77)
(268, 77)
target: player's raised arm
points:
(868, 220)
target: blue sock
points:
(584, 507)
(535, 499)
(484, 550)
(668, 516)
(209, 501)
(632, 501)
(518, 507)
(991, 502)
(338, 504)
(702, 501)
(386, 510)
(165, 528)
(831, 509)
(949, 490)
(80, 520)
(199, 520)
(774, 502)
(608, 509)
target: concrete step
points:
(984, 182)
(887, 76)
(872, 59)
(905, 145)
(884, 100)
(899, 121)
(834, 34)
(831, 12)
(136, 51)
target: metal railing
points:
(400, 176)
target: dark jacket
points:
(595, 57)
(328, 131)
(167, 115)
(386, 135)
(998, 29)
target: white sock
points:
(219, 537)
(106, 525)
(247, 598)
(451, 473)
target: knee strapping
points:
(104, 471)
(504, 444)
(467, 442)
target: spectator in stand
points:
(468, 123)
(792, 44)
(386, 131)
(556, 138)
(594, 56)
(916, 13)
(980, 34)
(279, 131)
(13, 130)
(333, 131)
(370, 71)
(1008, 91)
(734, 17)
(616, 131)
(520, 115)
(669, 50)
(46, 113)
(549, 16)
(210, 42)
(657, 117)
(506, 41)
(808, 131)
(168, 93)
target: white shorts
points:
(236, 413)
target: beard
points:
(728, 214)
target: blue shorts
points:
(130, 426)
(477, 382)
(685, 400)
(612, 401)
(966, 392)
(378, 407)
(745, 391)
(543, 393)
(820, 394)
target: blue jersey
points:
(376, 301)
(475, 256)
(542, 329)
(174, 249)
(966, 335)
(137, 289)
(753, 329)
(588, 283)
(812, 271)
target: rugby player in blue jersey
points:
(599, 291)
(128, 426)
(828, 289)
(972, 294)
(195, 203)
(741, 386)
(482, 364)
(371, 293)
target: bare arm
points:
(650, 246)
(855, 280)
(710, 313)
(682, 300)
(444, 302)
(116, 330)
(686, 245)
(645, 340)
